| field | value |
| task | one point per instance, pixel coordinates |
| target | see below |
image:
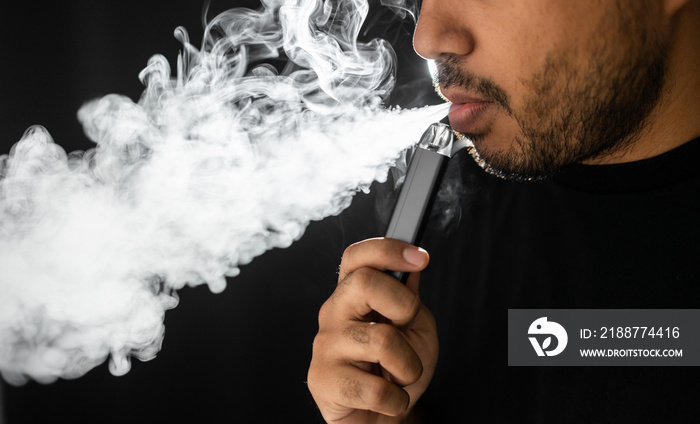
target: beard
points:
(569, 114)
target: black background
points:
(238, 356)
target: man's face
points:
(541, 84)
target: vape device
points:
(425, 172)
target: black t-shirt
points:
(612, 236)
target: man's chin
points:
(506, 165)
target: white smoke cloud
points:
(213, 166)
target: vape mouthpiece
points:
(421, 185)
(437, 138)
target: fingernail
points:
(415, 255)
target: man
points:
(599, 102)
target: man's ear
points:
(673, 6)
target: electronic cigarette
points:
(421, 185)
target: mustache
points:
(450, 73)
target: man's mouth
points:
(467, 112)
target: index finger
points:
(383, 254)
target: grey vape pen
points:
(421, 185)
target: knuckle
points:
(312, 380)
(362, 281)
(413, 306)
(377, 393)
(412, 371)
(339, 291)
(384, 337)
(388, 341)
(324, 314)
(356, 285)
(361, 276)
(345, 261)
(317, 375)
(349, 251)
(345, 284)
(319, 345)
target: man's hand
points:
(376, 347)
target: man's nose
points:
(440, 30)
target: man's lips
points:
(468, 117)
(468, 111)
